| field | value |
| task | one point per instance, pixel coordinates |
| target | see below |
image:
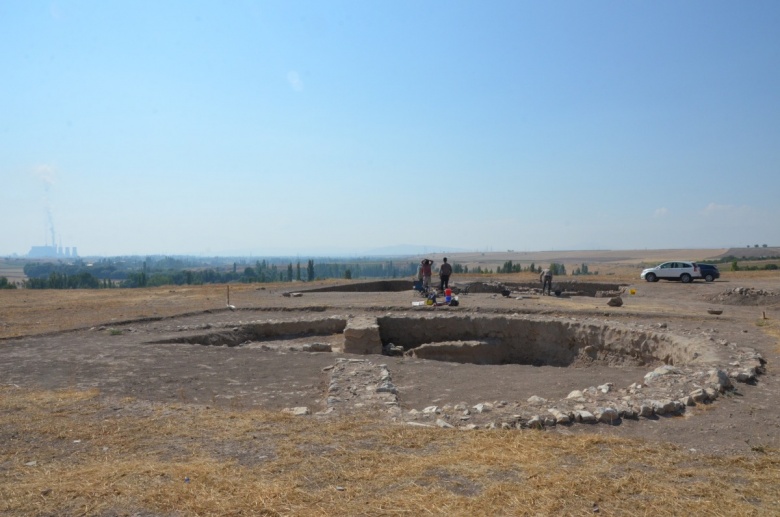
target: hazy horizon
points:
(408, 252)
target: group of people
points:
(425, 272)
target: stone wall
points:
(361, 336)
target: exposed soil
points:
(134, 343)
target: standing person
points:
(545, 277)
(426, 272)
(418, 278)
(444, 275)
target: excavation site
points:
(635, 370)
(506, 357)
(475, 339)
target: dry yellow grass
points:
(34, 311)
(94, 459)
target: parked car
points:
(685, 272)
(708, 272)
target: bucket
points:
(632, 291)
(448, 292)
(447, 298)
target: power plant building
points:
(52, 252)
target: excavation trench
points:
(488, 340)
(533, 341)
(263, 331)
(569, 288)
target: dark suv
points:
(708, 272)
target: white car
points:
(680, 270)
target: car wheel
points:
(650, 277)
(709, 278)
(685, 278)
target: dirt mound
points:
(746, 296)
(482, 287)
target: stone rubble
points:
(359, 384)
(746, 296)
(297, 411)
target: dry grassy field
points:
(82, 452)
(575, 257)
(70, 455)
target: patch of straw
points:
(87, 458)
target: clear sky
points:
(322, 127)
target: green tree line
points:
(152, 272)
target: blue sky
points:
(322, 127)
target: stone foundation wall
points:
(361, 336)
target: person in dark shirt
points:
(444, 275)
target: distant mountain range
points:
(399, 250)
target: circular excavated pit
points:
(680, 371)
(486, 340)
(534, 341)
